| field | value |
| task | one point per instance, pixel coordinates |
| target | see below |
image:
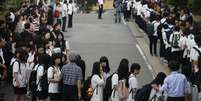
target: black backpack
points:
(32, 80)
(86, 86)
(44, 82)
(107, 91)
(143, 93)
(10, 70)
(197, 75)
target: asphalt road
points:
(93, 38)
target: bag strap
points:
(197, 50)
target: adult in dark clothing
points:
(50, 18)
(26, 36)
(81, 63)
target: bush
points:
(195, 5)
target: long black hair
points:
(123, 70)
(45, 60)
(96, 68)
(104, 59)
(159, 79)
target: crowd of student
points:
(27, 34)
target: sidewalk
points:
(141, 37)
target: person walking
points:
(70, 14)
(97, 82)
(176, 84)
(100, 9)
(72, 77)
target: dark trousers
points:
(162, 48)
(64, 24)
(153, 44)
(70, 21)
(100, 11)
(55, 96)
(175, 99)
(70, 93)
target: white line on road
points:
(146, 61)
(123, 20)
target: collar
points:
(174, 72)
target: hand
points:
(17, 84)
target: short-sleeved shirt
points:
(40, 72)
(71, 73)
(20, 69)
(53, 73)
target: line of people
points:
(37, 29)
(173, 27)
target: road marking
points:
(146, 60)
(123, 20)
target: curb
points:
(155, 62)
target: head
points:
(73, 57)
(60, 37)
(21, 55)
(96, 68)
(135, 68)
(2, 42)
(56, 59)
(173, 65)
(27, 26)
(105, 64)
(57, 27)
(44, 59)
(159, 79)
(123, 69)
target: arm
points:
(79, 82)
(15, 72)
(50, 75)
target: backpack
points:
(150, 29)
(122, 90)
(143, 93)
(197, 77)
(175, 40)
(107, 91)
(86, 90)
(33, 79)
(159, 30)
(56, 14)
(44, 82)
(10, 70)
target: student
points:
(54, 77)
(97, 82)
(19, 75)
(106, 67)
(157, 82)
(120, 77)
(43, 62)
(133, 83)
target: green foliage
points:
(195, 5)
(90, 4)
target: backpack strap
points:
(197, 50)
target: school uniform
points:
(133, 86)
(97, 84)
(100, 11)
